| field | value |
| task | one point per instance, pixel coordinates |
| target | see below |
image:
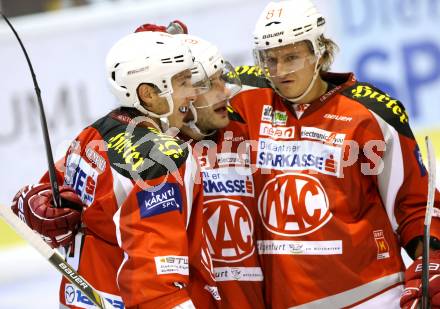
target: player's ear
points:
(147, 95)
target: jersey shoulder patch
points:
(251, 77)
(141, 153)
(389, 109)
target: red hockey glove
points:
(57, 226)
(412, 294)
(175, 27)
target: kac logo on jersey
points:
(160, 199)
(293, 205)
(230, 230)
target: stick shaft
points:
(427, 225)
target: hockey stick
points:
(54, 257)
(428, 216)
(50, 164)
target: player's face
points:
(211, 106)
(183, 94)
(291, 68)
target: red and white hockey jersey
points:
(142, 244)
(231, 216)
(339, 191)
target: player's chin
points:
(176, 122)
(288, 92)
(220, 121)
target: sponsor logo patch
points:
(299, 156)
(267, 113)
(290, 247)
(167, 144)
(74, 297)
(383, 250)
(171, 264)
(366, 92)
(233, 181)
(338, 117)
(279, 118)
(122, 144)
(294, 205)
(81, 177)
(224, 159)
(238, 274)
(229, 231)
(277, 132)
(327, 137)
(160, 199)
(96, 159)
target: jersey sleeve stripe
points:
(355, 295)
(117, 220)
(391, 177)
(189, 178)
(122, 186)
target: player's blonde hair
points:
(329, 53)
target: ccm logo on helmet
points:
(293, 205)
(230, 230)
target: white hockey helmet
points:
(210, 71)
(209, 62)
(288, 22)
(146, 57)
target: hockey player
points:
(340, 183)
(230, 212)
(140, 242)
